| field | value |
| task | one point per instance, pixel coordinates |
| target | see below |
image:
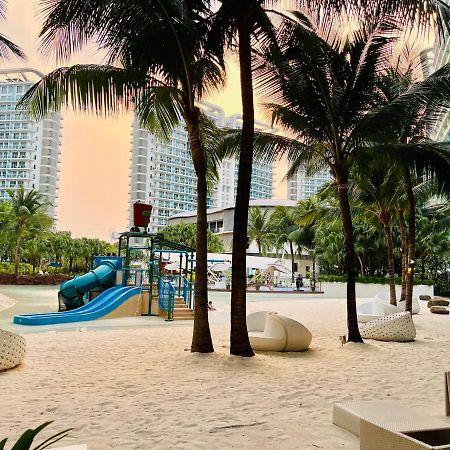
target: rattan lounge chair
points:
(398, 327)
(12, 349)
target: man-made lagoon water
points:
(44, 299)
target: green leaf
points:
(25, 441)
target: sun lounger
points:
(12, 349)
(390, 425)
(389, 414)
(375, 437)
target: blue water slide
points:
(102, 305)
(73, 290)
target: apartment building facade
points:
(162, 173)
(29, 149)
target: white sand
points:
(6, 302)
(139, 389)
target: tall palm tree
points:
(406, 139)
(259, 229)
(283, 223)
(377, 192)
(236, 22)
(27, 211)
(162, 82)
(327, 95)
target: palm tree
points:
(283, 223)
(378, 194)
(26, 212)
(324, 91)
(8, 48)
(163, 83)
(259, 229)
(406, 141)
(236, 22)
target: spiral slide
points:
(71, 291)
(118, 301)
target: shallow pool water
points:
(44, 299)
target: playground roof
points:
(157, 241)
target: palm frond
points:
(103, 90)
(8, 48)
(159, 109)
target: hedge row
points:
(369, 280)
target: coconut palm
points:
(406, 141)
(259, 229)
(283, 223)
(27, 212)
(162, 82)
(327, 95)
(235, 24)
(378, 193)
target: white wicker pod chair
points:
(12, 349)
(397, 327)
(271, 332)
(373, 310)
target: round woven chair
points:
(398, 327)
(12, 349)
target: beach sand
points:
(6, 302)
(140, 389)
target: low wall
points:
(6, 278)
(339, 290)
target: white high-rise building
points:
(302, 186)
(29, 149)
(163, 175)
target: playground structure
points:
(118, 286)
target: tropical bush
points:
(442, 287)
(370, 280)
(185, 233)
(24, 268)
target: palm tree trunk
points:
(239, 342)
(390, 262)
(362, 265)
(201, 336)
(403, 231)
(350, 261)
(291, 247)
(17, 252)
(411, 239)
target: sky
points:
(95, 152)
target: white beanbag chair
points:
(373, 310)
(269, 331)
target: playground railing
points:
(133, 276)
(166, 297)
(188, 294)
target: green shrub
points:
(24, 268)
(442, 287)
(369, 280)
